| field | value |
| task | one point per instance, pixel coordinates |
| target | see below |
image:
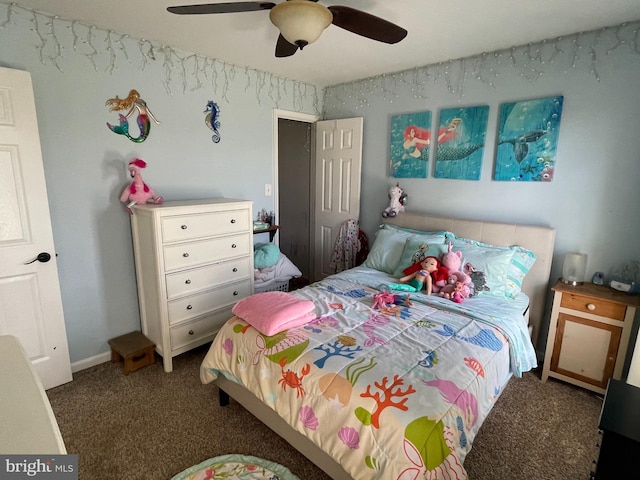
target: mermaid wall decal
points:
(133, 102)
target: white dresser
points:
(194, 261)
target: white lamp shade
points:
(574, 268)
(300, 21)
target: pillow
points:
(448, 235)
(388, 246)
(504, 268)
(274, 312)
(265, 255)
(521, 263)
(415, 249)
(487, 260)
(285, 268)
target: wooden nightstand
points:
(588, 334)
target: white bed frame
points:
(539, 240)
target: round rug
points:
(235, 466)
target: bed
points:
(398, 390)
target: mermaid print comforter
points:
(395, 392)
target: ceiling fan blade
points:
(367, 25)
(230, 7)
(284, 48)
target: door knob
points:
(43, 257)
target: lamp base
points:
(573, 283)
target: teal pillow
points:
(521, 263)
(504, 268)
(415, 249)
(489, 261)
(265, 255)
(448, 235)
(388, 246)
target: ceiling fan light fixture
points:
(300, 21)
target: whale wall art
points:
(528, 139)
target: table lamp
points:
(574, 268)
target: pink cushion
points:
(273, 312)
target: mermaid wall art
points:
(411, 140)
(460, 157)
(132, 103)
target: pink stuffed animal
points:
(138, 191)
(455, 292)
(457, 284)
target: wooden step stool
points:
(135, 349)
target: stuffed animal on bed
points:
(423, 274)
(458, 282)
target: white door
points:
(30, 301)
(338, 165)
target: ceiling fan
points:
(302, 21)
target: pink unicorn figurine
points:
(138, 191)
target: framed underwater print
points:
(410, 140)
(460, 143)
(527, 140)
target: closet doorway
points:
(294, 182)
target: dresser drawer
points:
(201, 303)
(192, 254)
(189, 227)
(202, 278)
(190, 332)
(596, 306)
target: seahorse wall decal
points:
(211, 119)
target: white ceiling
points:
(438, 31)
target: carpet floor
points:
(153, 425)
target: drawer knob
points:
(185, 254)
(235, 293)
(191, 332)
(183, 227)
(233, 245)
(189, 307)
(591, 306)
(235, 269)
(187, 281)
(233, 220)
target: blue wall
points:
(592, 201)
(85, 163)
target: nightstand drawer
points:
(189, 227)
(203, 278)
(596, 306)
(192, 254)
(196, 305)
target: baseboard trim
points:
(90, 362)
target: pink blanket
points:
(273, 312)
